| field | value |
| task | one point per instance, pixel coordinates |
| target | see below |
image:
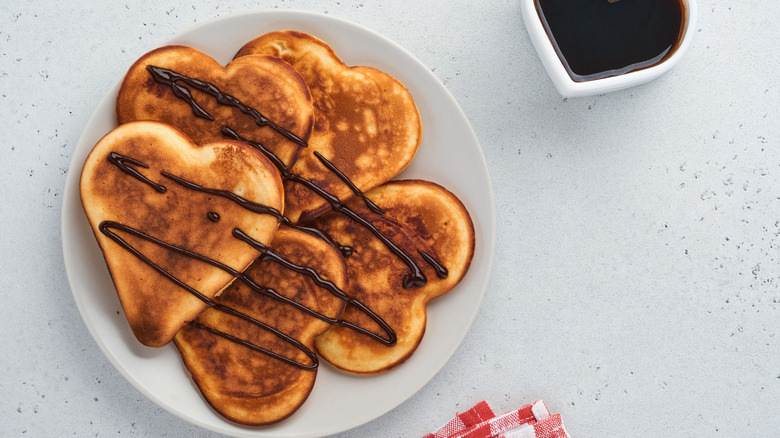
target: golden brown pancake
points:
(366, 122)
(418, 216)
(247, 386)
(367, 125)
(124, 189)
(262, 83)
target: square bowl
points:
(568, 87)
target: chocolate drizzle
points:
(106, 227)
(441, 270)
(174, 80)
(414, 278)
(266, 254)
(345, 179)
(121, 162)
(245, 203)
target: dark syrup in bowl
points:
(600, 38)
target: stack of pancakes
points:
(248, 212)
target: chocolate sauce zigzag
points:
(366, 121)
(415, 278)
(123, 163)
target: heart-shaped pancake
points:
(366, 122)
(164, 211)
(252, 96)
(432, 226)
(248, 386)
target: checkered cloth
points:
(530, 421)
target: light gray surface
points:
(635, 284)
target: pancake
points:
(285, 99)
(126, 195)
(366, 122)
(418, 216)
(263, 84)
(247, 386)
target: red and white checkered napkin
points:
(530, 421)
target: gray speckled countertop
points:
(636, 283)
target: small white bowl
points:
(568, 87)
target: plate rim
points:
(486, 240)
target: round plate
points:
(449, 155)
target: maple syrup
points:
(600, 38)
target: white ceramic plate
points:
(449, 155)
